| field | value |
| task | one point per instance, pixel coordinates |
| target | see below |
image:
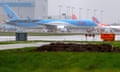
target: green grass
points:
(38, 34)
(114, 43)
(19, 42)
(7, 33)
(25, 60)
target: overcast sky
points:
(110, 8)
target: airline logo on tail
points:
(10, 13)
(10, 16)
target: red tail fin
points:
(74, 16)
(98, 23)
(95, 20)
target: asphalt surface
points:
(51, 38)
(55, 38)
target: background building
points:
(64, 8)
(55, 9)
(39, 9)
(26, 8)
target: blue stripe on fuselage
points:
(71, 22)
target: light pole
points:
(80, 13)
(64, 14)
(88, 13)
(73, 9)
(101, 12)
(68, 11)
(95, 12)
(60, 7)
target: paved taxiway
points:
(59, 38)
(56, 38)
(51, 38)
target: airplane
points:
(101, 27)
(49, 23)
(13, 19)
(108, 28)
(113, 28)
(98, 22)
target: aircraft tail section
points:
(10, 13)
(74, 17)
(98, 23)
(95, 20)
